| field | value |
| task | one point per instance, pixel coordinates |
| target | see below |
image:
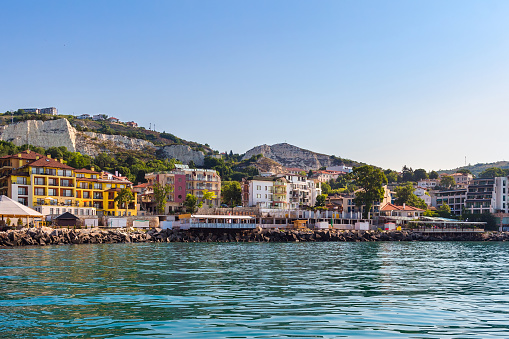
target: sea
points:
(256, 290)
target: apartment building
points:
(52, 187)
(455, 198)
(487, 195)
(301, 190)
(462, 180)
(185, 180)
(265, 192)
(47, 110)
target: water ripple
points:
(304, 290)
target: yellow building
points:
(52, 187)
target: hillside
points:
(478, 168)
(292, 156)
(105, 127)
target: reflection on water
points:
(257, 290)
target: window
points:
(53, 192)
(53, 182)
(39, 191)
(86, 195)
(66, 183)
(80, 175)
(258, 196)
(24, 191)
(39, 181)
(21, 181)
(51, 211)
(67, 193)
(57, 210)
(258, 187)
(98, 186)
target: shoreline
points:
(48, 236)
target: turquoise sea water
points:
(256, 290)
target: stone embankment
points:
(48, 236)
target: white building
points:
(422, 193)
(302, 191)
(487, 195)
(265, 192)
(326, 176)
(428, 183)
(341, 168)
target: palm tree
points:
(125, 196)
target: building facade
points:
(52, 187)
(454, 198)
(185, 180)
(487, 195)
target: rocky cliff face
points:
(291, 156)
(94, 143)
(41, 133)
(183, 153)
(56, 133)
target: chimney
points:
(92, 168)
(61, 160)
(28, 151)
(48, 156)
(36, 157)
(404, 205)
(116, 173)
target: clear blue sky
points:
(421, 83)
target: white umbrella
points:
(11, 208)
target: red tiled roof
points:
(48, 162)
(26, 155)
(391, 207)
(146, 184)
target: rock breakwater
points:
(48, 236)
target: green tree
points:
(231, 193)
(405, 195)
(124, 198)
(326, 188)
(433, 175)
(320, 200)
(407, 174)
(161, 193)
(447, 181)
(208, 195)
(444, 210)
(392, 176)
(464, 171)
(191, 203)
(420, 174)
(370, 180)
(492, 172)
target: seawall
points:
(48, 236)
